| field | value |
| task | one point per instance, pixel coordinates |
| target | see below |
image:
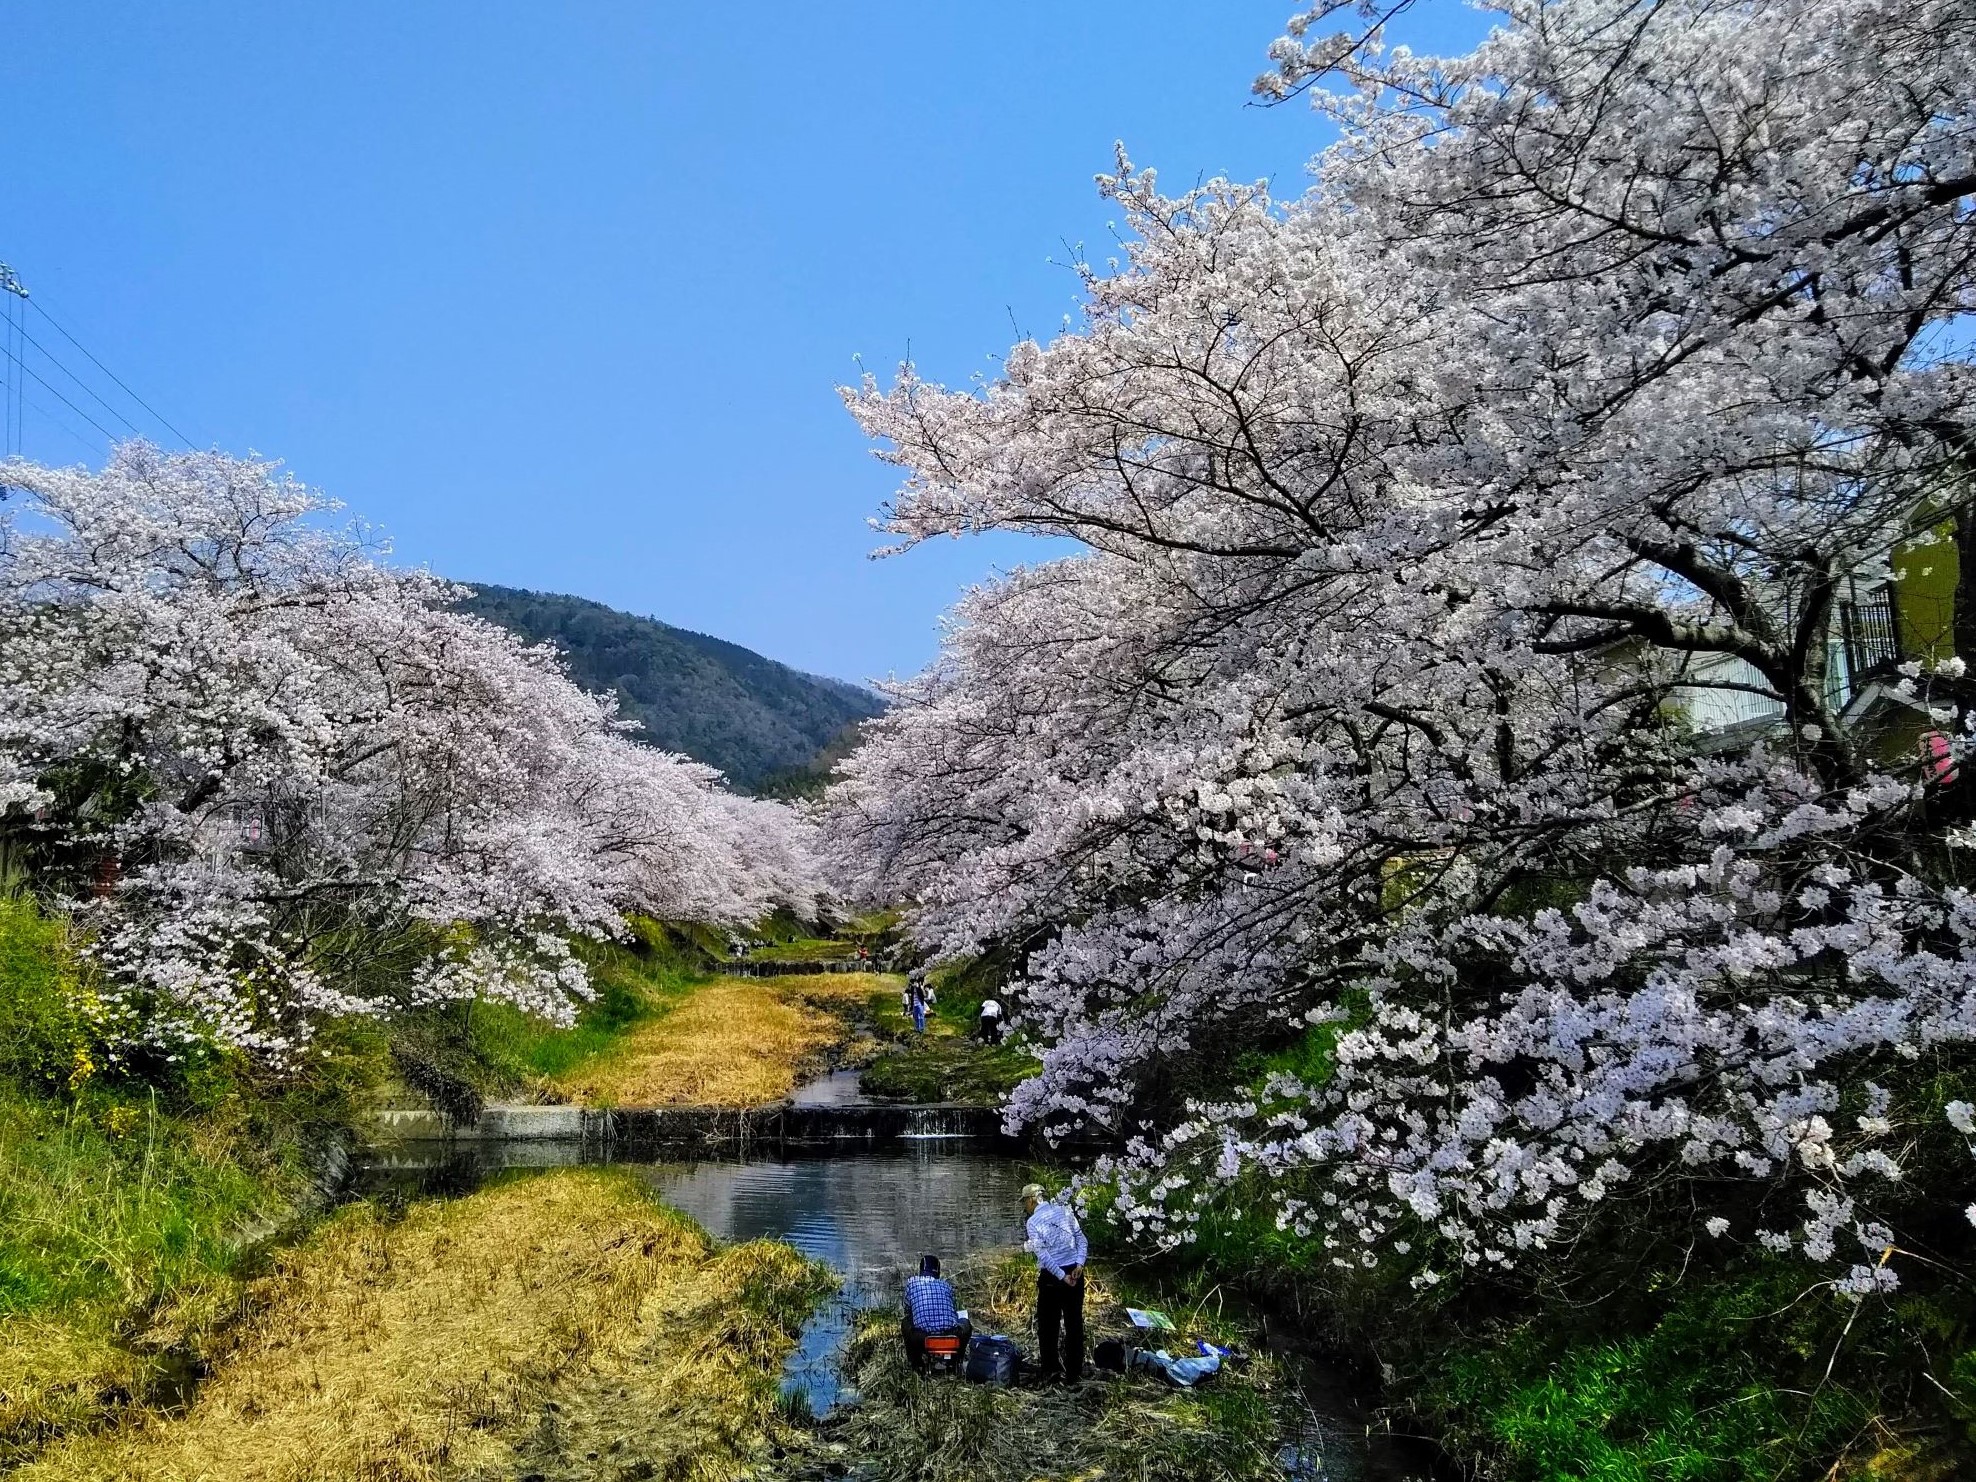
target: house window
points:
(1872, 640)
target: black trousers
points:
(1059, 1311)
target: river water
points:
(869, 1215)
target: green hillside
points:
(723, 704)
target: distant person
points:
(917, 997)
(1057, 1242)
(990, 1025)
(930, 1312)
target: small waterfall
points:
(938, 1121)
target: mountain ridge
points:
(753, 717)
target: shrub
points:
(46, 1010)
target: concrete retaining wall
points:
(697, 1127)
(741, 967)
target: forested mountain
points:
(716, 701)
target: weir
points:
(745, 969)
(945, 1121)
(701, 1128)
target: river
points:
(869, 1213)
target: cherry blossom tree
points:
(1596, 369)
(297, 782)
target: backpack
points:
(992, 1361)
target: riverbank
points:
(731, 1043)
(176, 1301)
(697, 1038)
(1233, 1428)
(525, 1329)
(1659, 1358)
(948, 1063)
(126, 1235)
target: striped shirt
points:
(1055, 1238)
(930, 1304)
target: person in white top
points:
(1057, 1242)
(990, 1027)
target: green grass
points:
(45, 1031)
(806, 949)
(500, 1049)
(116, 1203)
(123, 1231)
(1725, 1384)
(126, 1213)
(942, 1068)
(946, 1063)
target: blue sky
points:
(558, 294)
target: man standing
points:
(1057, 1242)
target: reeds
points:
(429, 1346)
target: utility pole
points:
(16, 362)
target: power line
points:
(36, 303)
(84, 385)
(81, 439)
(11, 286)
(56, 393)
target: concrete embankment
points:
(697, 1128)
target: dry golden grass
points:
(54, 1371)
(734, 1043)
(691, 1393)
(837, 991)
(385, 1351)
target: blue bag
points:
(993, 1360)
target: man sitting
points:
(930, 1312)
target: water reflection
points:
(838, 1088)
(868, 1216)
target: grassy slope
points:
(127, 1221)
(805, 949)
(139, 1246)
(472, 1337)
(123, 1235)
(735, 1042)
(947, 1063)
